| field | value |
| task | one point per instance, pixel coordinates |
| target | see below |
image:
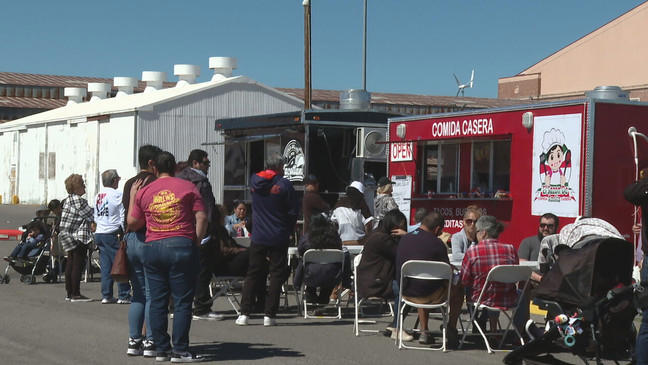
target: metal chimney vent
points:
(608, 93)
(355, 99)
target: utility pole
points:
(308, 89)
(364, 50)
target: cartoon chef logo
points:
(555, 167)
(555, 160)
(293, 156)
(165, 210)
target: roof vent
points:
(154, 80)
(355, 99)
(186, 74)
(608, 93)
(124, 85)
(99, 90)
(222, 67)
(75, 95)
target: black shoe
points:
(149, 348)
(134, 347)
(162, 356)
(452, 338)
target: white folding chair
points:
(505, 274)
(325, 256)
(424, 270)
(360, 301)
(225, 288)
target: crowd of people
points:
(178, 239)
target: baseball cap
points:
(358, 185)
(384, 181)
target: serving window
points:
(475, 169)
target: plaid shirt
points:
(75, 223)
(478, 261)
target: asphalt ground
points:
(38, 326)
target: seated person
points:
(235, 223)
(321, 235)
(465, 238)
(232, 258)
(481, 258)
(35, 235)
(418, 218)
(352, 215)
(377, 268)
(425, 244)
(529, 250)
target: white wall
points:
(7, 160)
(117, 147)
(31, 176)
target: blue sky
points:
(414, 46)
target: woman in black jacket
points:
(377, 266)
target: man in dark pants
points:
(196, 172)
(637, 194)
(275, 207)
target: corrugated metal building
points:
(38, 152)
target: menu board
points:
(402, 194)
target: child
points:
(34, 237)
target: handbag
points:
(119, 270)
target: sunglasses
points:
(469, 221)
(545, 225)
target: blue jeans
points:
(138, 313)
(171, 267)
(108, 244)
(396, 290)
(641, 346)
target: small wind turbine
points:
(461, 87)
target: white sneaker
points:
(394, 335)
(110, 300)
(123, 301)
(216, 316)
(268, 322)
(242, 320)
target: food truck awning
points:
(349, 118)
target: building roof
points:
(26, 79)
(32, 103)
(127, 103)
(407, 99)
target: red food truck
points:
(571, 158)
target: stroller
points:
(37, 261)
(591, 304)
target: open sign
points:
(401, 151)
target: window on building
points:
(491, 162)
(440, 168)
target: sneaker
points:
(134, 347)
(67, 299)
(269, 321)
(80, 298)
(406, 336)
(110, 300)
(211, 316)
(425, 338)
(216, 316)
(185, 357)
(124, 301)
(162, 356)
(149, 348)
(242, 320)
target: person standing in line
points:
(138, 312)
(75, 235)
(275, 208)
(384, 200)
(109, 217)
(196, 172)
(312, 203)
(175, 220)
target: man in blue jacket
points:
(275, 207)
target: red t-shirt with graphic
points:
(169, 205)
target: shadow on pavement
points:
(241, 351)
